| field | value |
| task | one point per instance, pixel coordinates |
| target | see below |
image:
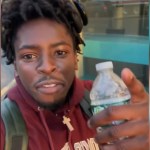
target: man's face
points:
(45, 60)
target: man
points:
(41, 38)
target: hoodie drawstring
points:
(70, 132)
(69, 141)
(47, 131)
(49, 135)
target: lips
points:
(49, 86)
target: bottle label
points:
(110, 100)
(98, 108)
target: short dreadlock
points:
(17, 12)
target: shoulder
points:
(88, 84)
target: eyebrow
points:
(35, 47)
(60, 43)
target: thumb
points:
(136, 88)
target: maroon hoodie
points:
(46, 130)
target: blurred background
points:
(118, 30)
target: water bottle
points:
(108, 89)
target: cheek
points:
(25, 72)
(69, 66)
(67, 70)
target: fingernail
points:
(131, 76)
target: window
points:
(118, 30)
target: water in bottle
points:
(108, 89)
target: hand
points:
(135, 129)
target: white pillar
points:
(119, 17)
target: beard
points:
(53, 106)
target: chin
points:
(51, 103)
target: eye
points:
(29, 57)
(61, 53)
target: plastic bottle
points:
(108, 89)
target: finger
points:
(124, 112)
(128, 129)
(138, 143)
(135, 87)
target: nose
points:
(46, 66)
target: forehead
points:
(42, 30)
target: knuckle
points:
(143, 142)
(111, 111)
(146, 143)
(121, 146)
(113, 132)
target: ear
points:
(15, 68)
(76, 62)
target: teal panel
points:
(132, 50)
